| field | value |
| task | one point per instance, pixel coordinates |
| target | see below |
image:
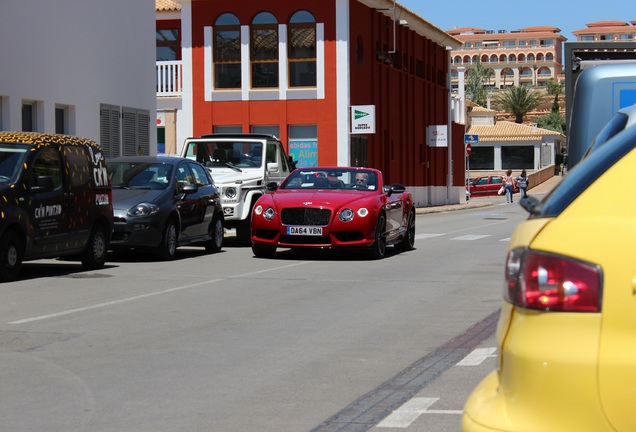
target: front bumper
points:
(136, 233)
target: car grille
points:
(305, 216)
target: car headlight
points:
(230, 192)
(269, 213)
(346, 215)
(143, 209)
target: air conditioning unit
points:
(502, 31)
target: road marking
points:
(142, 296)
(470, 237)
(477, 357)
(426, 235)
(410, 411)
(505, 239)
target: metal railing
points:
(169, 82)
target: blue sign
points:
(471, 139)
(305, 152)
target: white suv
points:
(241, 165)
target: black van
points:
(55, 200)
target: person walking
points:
(508, 182)
(522, 181)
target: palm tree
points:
(518, 101)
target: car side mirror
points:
(397, 188)
(272, 167)
(189, 189)
(271, 187)
(43, 184)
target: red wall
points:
(246, 113)
(409, 91)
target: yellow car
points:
(567, 332)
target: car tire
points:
(378, 249)
(263, 251)
(167, 249)
(408, 242)
(216, 236)
(94, 256)
(11, 252)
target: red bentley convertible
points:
(333, 207)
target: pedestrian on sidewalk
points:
(509, 184)
(522, 181)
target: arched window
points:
(512, 58)
(493, 58)
(301, 41)
(264, 50)
(227, 52)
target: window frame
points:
(230, 63)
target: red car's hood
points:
(319, 198)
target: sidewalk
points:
(488, 201)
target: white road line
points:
(470, 237)
(142, 296)
(410, 411)
(505, 239)
(477, 357)
(426, 235)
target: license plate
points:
(304, 230)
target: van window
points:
(11, 161)
(47, 163)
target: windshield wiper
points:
(231, 165)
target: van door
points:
(82, 178)
(49, 207)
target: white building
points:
(80, 67)
(506, 145)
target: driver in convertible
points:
(362, 179)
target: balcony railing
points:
(169, 78)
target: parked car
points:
(567, 329)
(333, 207)
(163, 202)
(55, 201)
(241, 164)
(488, 185)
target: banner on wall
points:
(363, 119)
(437, 136)
(305, 152)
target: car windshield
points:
(233, 154)
(139, 175)
(317, 178)
(11, 161)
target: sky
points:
(568, 15)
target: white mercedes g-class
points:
(241, 166)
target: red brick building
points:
(340, 82)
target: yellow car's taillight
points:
(548, 282)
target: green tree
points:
(553, 121)
(553, 87)
(476, 79)
(518, 101)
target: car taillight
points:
(547, 282)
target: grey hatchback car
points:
(163, 202)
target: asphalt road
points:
(325, 341)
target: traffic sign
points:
(468, 149)
(471, 139)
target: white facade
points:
(68, 58)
